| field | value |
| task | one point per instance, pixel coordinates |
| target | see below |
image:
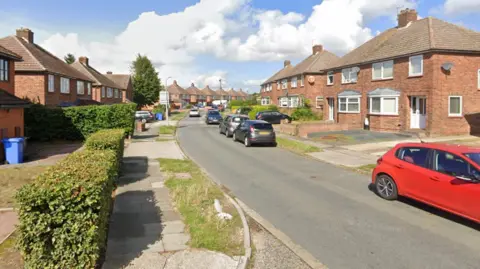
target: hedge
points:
(257, 109)
(64, 212)
(76, 123)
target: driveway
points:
(330, 211)
(349, 137)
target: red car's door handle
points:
(399, 166)
(435, 178)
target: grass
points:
(163, 139)
(167, 129)
(366, 169)
(12, 179)
(10, 257)
(296, 146)
(177, 115)
(194, 199)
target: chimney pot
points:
(193, 85)
(317, 49)
(175, 82)
(83, 60)
(406, 16)
(26, 34)
(286, 63)
(109, 72)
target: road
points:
(330, 211)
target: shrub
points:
(304, 114)
(77, 123)
(159, 109)
(112, 139)
(188, 106)
(64, 213)
(257, 109)
(240, 103)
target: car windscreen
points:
(262, 126)
(474, 156)
(213, 113)
(239, 119)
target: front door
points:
(331, 110)
(418, 112)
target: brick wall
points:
(97, 96)
(9, 85)
(11, 118)
(303, 129)
(31, 86)
(56, 97)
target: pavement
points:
(8, 220)
(330, 211)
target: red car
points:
(444, 176)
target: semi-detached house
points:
(125, 84)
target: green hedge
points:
(76, 123)
(112, 139)
(240, 103)
(304, 114)
(257, 109)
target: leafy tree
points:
(146, 83)
(69, 58)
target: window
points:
(80, 87)
(349, 75)
(64, 85)
(349, 104)
(103, 92)
(454, 106)
(453, 165)
(284, 83)
(115, 93)
(302, 80)
(382, 70)
(109, 92)
(330, 78)
(89, 88)
(294, 102)
(3, 70)
(294, 82)
(266, 101)
(415, 67)
(51, 83)
(278, 85)
(416, 156)
(319, 101)
(384, 105)
(478, 79)
(284, 102)
(270, 86)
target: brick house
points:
(196, 95)
(124, 83)
(42, 77)
(290, 85)
(210, 94)
(242, 95)
(423, 75)
(104, 90)
(222, 94)
(176, 93)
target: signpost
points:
(164, 100)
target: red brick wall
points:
(10, 84)
(31, 86)
(57, 97)
(97, 96)
(11, 118)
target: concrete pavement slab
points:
(175, 242)
(157, 185)
(8, 220)
(344, 157)
(173, 227)
(155, 150)
(170, 215)
(195, 259)
(148, 260)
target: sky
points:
(241, 42)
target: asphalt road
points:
(330, 211)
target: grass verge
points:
(177, 115)
(296, 146)
(194, 200)
(10, 257)
(167, 129)
(366, 169)
(12, 179)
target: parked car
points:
(144, 116)
(194, 112)
(221, 107)
(444, 176)
(230, 123)
(255, 132)
(273, 117)
(243, 110)
(213, 116)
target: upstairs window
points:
(89, 88)
(64, 85)
(294, 82)
(415, 66)
(302, 80)
(3, 70)
(103, 92)
(349, 75)
(278, 85)
(383, 70)
(51, 83)
(330, 78)
(284, 83)
(80, 87)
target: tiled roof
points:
(9, 54)
(417, 37)
(174, 88)
(193, 90)
(315, 63)
(121, 80)
(242, 93)
(232, 92)
(208, 91)
(98, 78)
(8, 100)
(283, 73)
(36, 58)
(221, 92)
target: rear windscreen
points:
(213, 113)
(262, 126)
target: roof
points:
(208, 91)
(283, 73)
(193, 90)
(428, 34)
(349, 93)
(233, 92)
(221, 92)
(121, 80)
(98, 78)
(384, 92)
(9, 54)
(8, 100)
(242, 93)
(315, 63)
(174, 88)
(36, 58)
(458, 149)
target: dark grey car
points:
(230, 123)
(252, 132)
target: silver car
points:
(230, 123)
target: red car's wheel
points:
(386, 187)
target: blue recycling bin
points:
(13, 149)
(159, 116)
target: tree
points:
(69, 58)
(146, 83)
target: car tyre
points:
(386, 187)
(234, 137)
(220, 130)
(247, 142)
(274, 144)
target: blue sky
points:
(240, 41)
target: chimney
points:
(317, 49)
(108, 72)
(286, 63)
(175, 82)
(26, 34)
(193, 85)
(406, 16)
(84, 60)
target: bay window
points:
(64, 85)
(80, 87)
(103, 92)
(283, 102)
(51, 83)
(89, 88)
(384, 105)
(349, 75)
(383, 70)
(109, 92)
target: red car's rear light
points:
(379, 161)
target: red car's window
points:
(413, 155)
(453, 165)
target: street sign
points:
(164, 98)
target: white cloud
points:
(461, 6)
(253, 82)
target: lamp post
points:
(168, 101)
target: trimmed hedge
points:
(64, 212)
(76, 123)
(304, 114)
(257, 109)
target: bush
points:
(240, 103)
(188, 106)
(304, 114)
(64, 213)
(159, 109)
(257, 109)
(77, 123)
(112, 139)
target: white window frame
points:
(282, 101)
(278, 85)
(330, 74)
(80, 87)
(115, 93)
(347, 102)
(350, 71)
(478, 79)
(64, 85)
(89, 88)
(293, 82)
(316, 101)
(4, 69)
(461, 106)
(382, 97)
(302, 80)
(381, 65)
(284, 84)
(103, 92)
(109, 92)
(265, 101)
(51, 83)
(410, 74)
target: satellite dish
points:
(356, 69)
(447, 66)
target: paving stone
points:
(173, 227)
(158, 185)
(148, 260)
(162, 194)
(170, 215)
(175, 242)
(201, 259)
